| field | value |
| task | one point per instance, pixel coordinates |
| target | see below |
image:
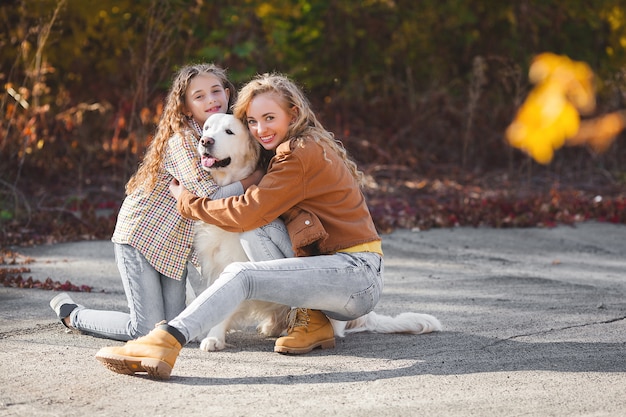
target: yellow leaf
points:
(543, 123)
(550, 115)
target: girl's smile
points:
(214, 109)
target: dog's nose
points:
(206, 141)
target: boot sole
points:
(324, 344)
(127, 365)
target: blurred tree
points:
(439, 80)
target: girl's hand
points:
(176, 188)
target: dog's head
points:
(227, 149)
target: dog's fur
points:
(230, 154)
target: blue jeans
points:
(344, 286)
(152, 297)
(268, 242)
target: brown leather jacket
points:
(311, 190)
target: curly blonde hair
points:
(173, 121)
(305, 124)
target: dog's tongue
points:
(208, 161)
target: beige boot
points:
(154, 353)
(310, 329)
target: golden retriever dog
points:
(230, 154)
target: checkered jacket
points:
(148, 219)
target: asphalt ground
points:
(533, 326)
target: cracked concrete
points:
(534, 325)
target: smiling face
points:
(205, 96)
(268, 120)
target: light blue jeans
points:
(152, 297)
(344, 285)
(268, 242)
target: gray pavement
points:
(533, 325)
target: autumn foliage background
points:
(420, 92)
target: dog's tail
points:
(414, 323)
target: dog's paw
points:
(270, 329)
(212, 344)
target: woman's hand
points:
(176, 188)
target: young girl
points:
(313, 186)
(152, 241)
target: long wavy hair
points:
(173, 121)
(305, 124)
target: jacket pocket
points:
(305, 231)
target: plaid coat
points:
(148, 219)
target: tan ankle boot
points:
(154, 353)
(310, 329)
